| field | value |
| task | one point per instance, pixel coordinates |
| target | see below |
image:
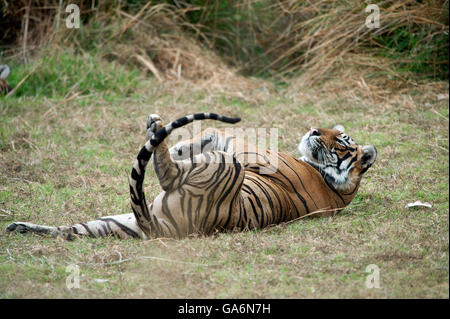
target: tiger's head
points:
(4, 73)
(340, 160)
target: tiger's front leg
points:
(253, 159)
(208, 140)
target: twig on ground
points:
(61, 103)
(23, 80)
(158, 258)
(149, 64)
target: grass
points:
(66, 160)
(46, 80)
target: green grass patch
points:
(57, 75)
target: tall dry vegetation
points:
(215, 42)
(285, 37)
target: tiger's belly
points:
(183, 212)
(263, 203)
(268, 200)
(260, 202)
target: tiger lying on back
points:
(208, 186)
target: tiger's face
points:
(341, 161)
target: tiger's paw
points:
(154, 123)
(22, 228)
(18, 227)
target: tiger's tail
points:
(138, 202)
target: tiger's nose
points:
(314, 132)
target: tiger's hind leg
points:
(201, 191)
(121, 226)
(167, 170)
(199, 194)
(206, 198)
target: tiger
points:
(210, 186)
(4, 73)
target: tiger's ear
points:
(4, 71)
(368, 157)
(340, 128)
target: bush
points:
(266, 37)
